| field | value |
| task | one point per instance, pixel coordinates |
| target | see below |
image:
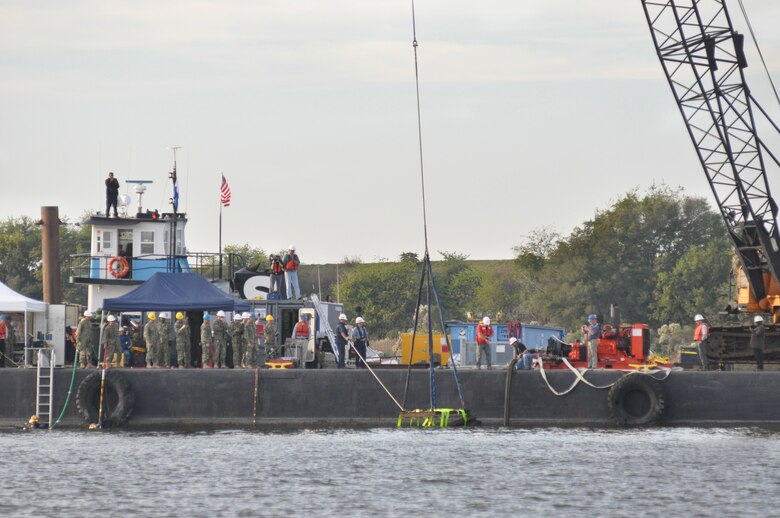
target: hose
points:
(510, 370)
(67, 399)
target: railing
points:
(142, 267)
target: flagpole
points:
(220, 234)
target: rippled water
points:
(482, 472)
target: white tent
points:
(13, 302)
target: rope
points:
(510, 369)
(760, 54)
(419, 126)
(102, 387)
(254, 404)
(432, 368)
(414, 336)
(352, 346)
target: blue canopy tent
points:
(176, 292)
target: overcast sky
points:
(534, 113)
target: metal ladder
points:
(44, 389)
(325, 324)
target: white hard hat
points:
(220, 313)
(698, 317)
(244, 315)
(359, 320)
(512, 340)
(111, 318)
(758, 318)
(87, 313)
(237, 316)
(165, 314)
(486, 321)
(342, 316)
(291, 247)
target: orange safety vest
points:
(701, 332)
(276, 267)
(290, 265)
(301, 330)
(484, 333)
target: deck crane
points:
(704, 61)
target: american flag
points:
(224, 193)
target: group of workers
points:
(287, 266)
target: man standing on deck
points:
(250, 340)
(112, 194)
(112, 349)
(182, 328)
(219, 330)
(484, 333)
(291, 264)
(206, 342)
(84, 341)
(700, 334)
(269, 332)
(342, 335)
(237, 337)
(163, 336)
(592, 331)
(757, 333)
(150, 337)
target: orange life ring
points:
(118, 267)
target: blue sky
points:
(534, 113)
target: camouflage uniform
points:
(250, 342)
(270, 339)
(163, 336)
(219, 335)
(10, 340)
(206, 343)
(84, 343)
(182, 328)
(150, 337)
(111, 340)
(239, 348)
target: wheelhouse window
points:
(104, 241)
(180, 249)
(147, 242)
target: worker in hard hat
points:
(250, 340)
(219, 333)
(522, 357)
(484, 333)
(277, 272)
(592, 332)
(84, 341)
(163, 338)
(206, 342)
(111, 347)
(700, 335)
(150, 338)
(757, 334)
(342, 337)
(360, 342)
(269, 335)
(291, 264)
(182, 330)
(237, 340)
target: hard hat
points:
(165, 314)
(486, 321)
(342, 316)
(220, 313)
(291, 247)
(151, 315)
(512, 340)
(33, 419)
(359, 320)
(758, 318)
(206, 316)
(87, 313)
(237, 316)
(592, 317)
(111, 318)
(179, 315)
(245, 315)
(697, 318)
(270, 318)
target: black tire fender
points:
(119, 399)
(636, 400)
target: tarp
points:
(16, 302)
(175, 292)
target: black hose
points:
(508, 389)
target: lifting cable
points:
(360, 356)
(760, 54)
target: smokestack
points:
(50, 246)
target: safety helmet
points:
(512, 340)
(151, 315)
(592, 317)
(697, 318)
(179, 316)
(111, 318)
(163, 315)
(291, 247)
(245, 314)
(206, 316)
(270, 318)
(220, 313)
(87, 313)
(33, 419)
(237, 316)
(342, 316)
(486, 321)
(359, 320)
(758, 318)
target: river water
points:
(387, 472)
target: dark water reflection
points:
(487, 472)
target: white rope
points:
(352, 345)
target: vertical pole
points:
(50, 244)
(220, 238)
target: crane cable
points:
(758, 48)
